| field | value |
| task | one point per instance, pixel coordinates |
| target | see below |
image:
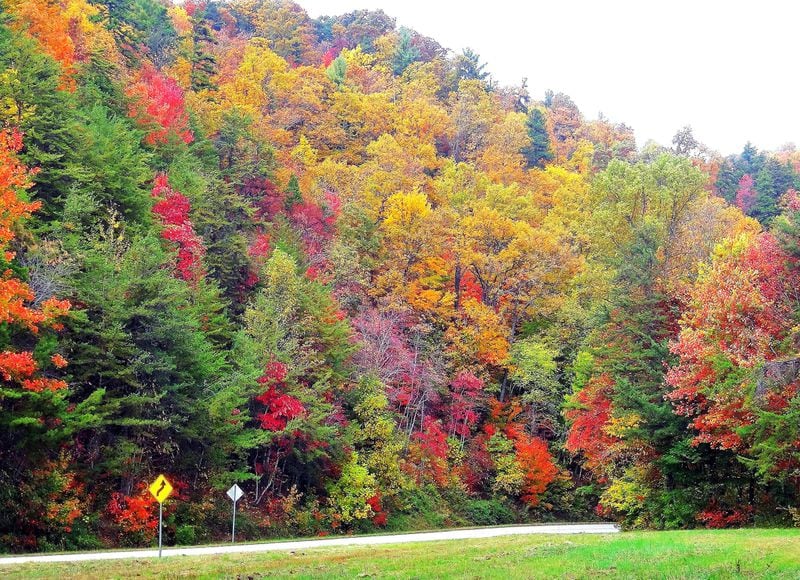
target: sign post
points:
(160, 489)
(235, 493)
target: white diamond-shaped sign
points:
(235, 493)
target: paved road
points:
(465, 534)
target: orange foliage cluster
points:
(134, 514)
(15, 295)
(45, 20)
(14, 177)
(538, 466)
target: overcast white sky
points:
(728, 69)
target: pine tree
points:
(468, 66)
(727, 182)
(108, 162)
(36, 105)
(539, 151)
(750, 159)
(293, 195)
(337, 71)
(406, 52)
(766, 206)
(142, 346)
(204, 63)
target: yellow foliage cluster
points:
(473, 240)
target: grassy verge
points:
(771, 553)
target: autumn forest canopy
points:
(337, 264)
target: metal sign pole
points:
(235, 493)
(160, 489)
(233, 527)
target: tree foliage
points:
(332, 262)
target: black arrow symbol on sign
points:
(163, 485)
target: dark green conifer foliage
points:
(406, 52)
(141, 22)
(43, 112)
(140, 343)
(766, 206)
(727, 181)
(204, 63)
(750, 161)
(468, 66)
(293, 195)
(108, 162)
(539, 151)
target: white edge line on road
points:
(465, 534)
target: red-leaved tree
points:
(538, 467)
(746, 193)
(465, 396)
(739, 315)
(172, 209)
(280, 407)
(588, 418)
(157, 106)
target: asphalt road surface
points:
(463, 534)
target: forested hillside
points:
(336, 263)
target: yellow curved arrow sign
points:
(161, 488)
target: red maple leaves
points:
(172, 208)
(465, 395)
(588, 420)
(746, 193)
(538, 466)
(428, 452)
(133, 514)
(740, 313)
(280, 407)
(13, 177)
(157, 106)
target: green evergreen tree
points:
(406, 52)
(141, 22)
(766, 206)
(337, 71)
(219, 215)
(204, 63)
(468, 66)
(293, 195)
(241, 156)
(539, 151)
(750, 160)
(141, 345)
(727, 182)
(33, 102)
(106, 160)
(98, 84)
